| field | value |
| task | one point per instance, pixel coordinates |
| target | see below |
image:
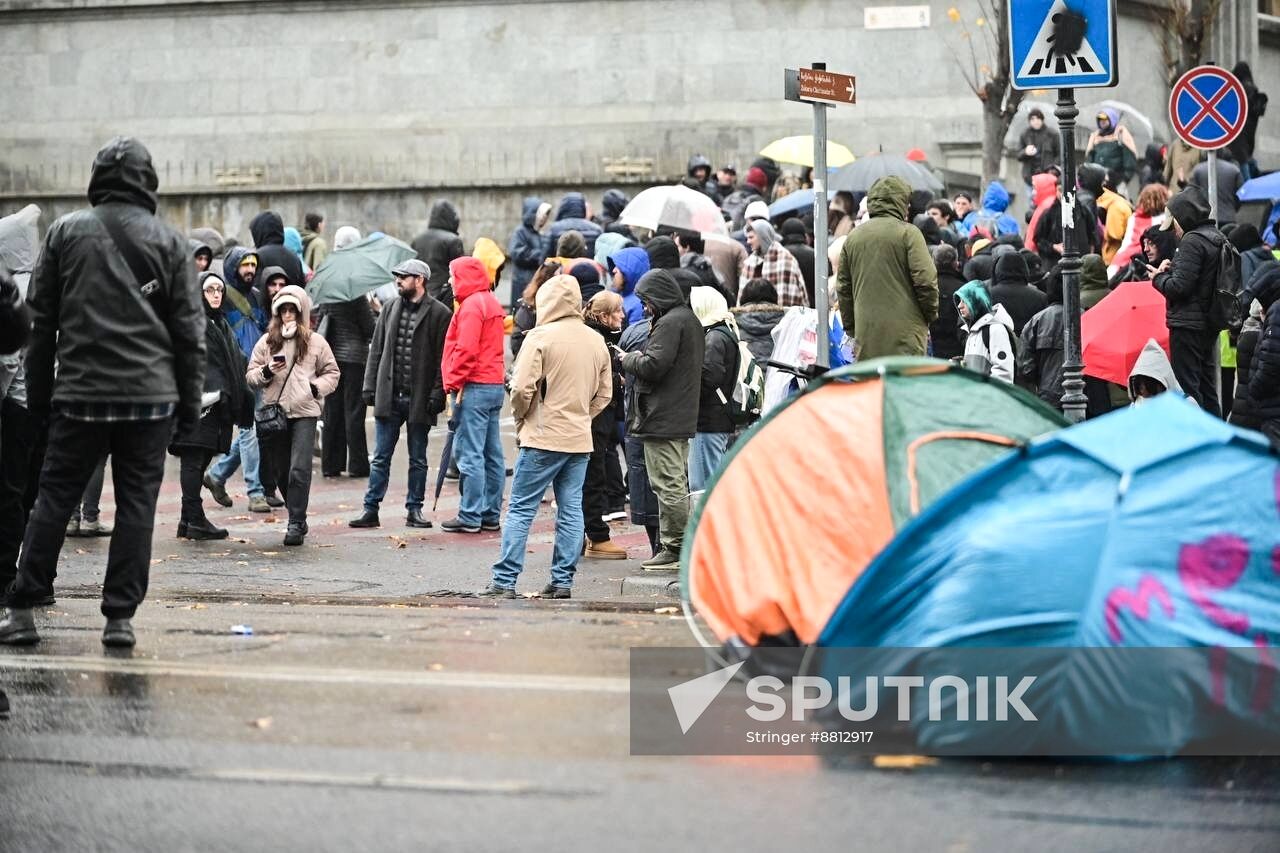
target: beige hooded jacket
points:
(562, 378)
(318, 369)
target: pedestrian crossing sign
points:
(1058, 44)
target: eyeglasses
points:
(215, 288)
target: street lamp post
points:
(1074, 401)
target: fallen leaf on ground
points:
(156, 562)
(402, 544)
(196, 607)
(902, 762)
(242, 562)
(238, 518)
(81, 551)
(436, 667)
(343, 506)
(325, 545)
(264, 570)
(667, 610)
(270, 553)
(260, 723)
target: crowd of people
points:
(632, 358)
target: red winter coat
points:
(473, 346)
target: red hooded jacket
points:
(473, 345)
(1045, 189)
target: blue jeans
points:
(535, 470)
(244, 447)
(477, 448)
(386, 434)
(705, 452)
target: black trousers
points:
(17, 438)
(291, 456)
(1191, 354)
(193, 464)
(345, 445)
(1228, 390)
(137, 451)
(595, 494)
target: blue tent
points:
(1154, 527)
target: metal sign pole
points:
(1074, 401)
(820, 231)
(1213, 187)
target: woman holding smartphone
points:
(296, 370)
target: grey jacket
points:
(426, 399)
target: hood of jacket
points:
(289, 293)
(264, 276)
(1189, 207)
(1090, 176)
(572, 206)
(661, 290)
(529, 211)
(1265, 288)
(1153, 362)
(1010, 269)
(979, 268)
(469, 277)
(1093, 273)
(610, 243)
(929, 228)
(891, 197)
(122, 172)
(211, 238)
(614, 202)
(758, 319)
(293, 241)
(20, 239)
(231, 264)
(490, 255)
(445, 216)
(634, 263)
(1112, 114)
(997, 315)
(794, 233)
(978, 299)
(267, 229)
(558, 298)
(996, 197)
(663, 253)
(1043, 188)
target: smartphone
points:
(278, 358)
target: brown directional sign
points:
(809, 84)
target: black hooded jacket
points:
(267, 230)
(225, 367)
(111, 342)
(614, 202)
(1011, 288)
(571, 215)
(439, 245)
(795, 241)
(668, 371)
(1189, 284)
(1264, 371)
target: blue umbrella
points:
(1266, 188)
(790, 202)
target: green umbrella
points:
(358, 269)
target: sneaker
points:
(665, 560)
(456, 525)
(553, 591)
(259, 504)
(73, 527)
(118, 634)
(94, 528)
(273, 500)
(491, 526)
(218, 490)
(495, 591)
(616, 515)
(18, 628)
(368, 519)
(606, 550)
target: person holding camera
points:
(296, 370)
(404, 385)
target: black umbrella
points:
(859, 175)
(446, 456)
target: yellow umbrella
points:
(798, 150)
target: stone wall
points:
(369, 109)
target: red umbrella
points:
(1114, 331)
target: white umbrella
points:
(1139, 125)
(675, 207)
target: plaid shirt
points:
(110, 412)
(780, 268)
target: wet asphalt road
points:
(497, 727)
(366, 714)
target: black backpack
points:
(1225, 310)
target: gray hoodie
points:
(1153, 363)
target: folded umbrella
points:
(798, 151)
(1114, 331)
(356, 270)
(446, 456)
(860, 175)
(675, 207)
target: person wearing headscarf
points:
(770, 260)
(720, 367)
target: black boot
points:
(200, 529)
(118, 634)
(295, 533)
(368, 519)
(18, 628)
(414, 519)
